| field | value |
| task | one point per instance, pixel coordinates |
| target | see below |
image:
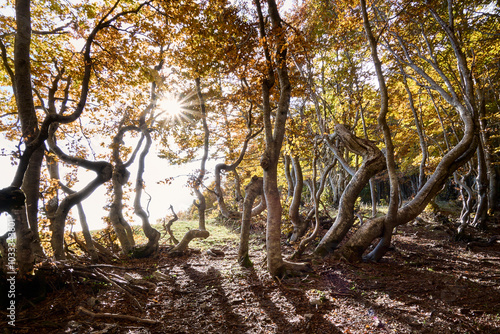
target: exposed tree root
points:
(488, 243)
(150, 248)
(296, 268)
(190, 235)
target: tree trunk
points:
(252, 190)
(316, 196)
(373, 189)
(103, 169)
(89, 242)
(201, 232)
(151, 233)
(481, 216)
(201, 205)
(274, 138)
(31, 188)
(354, 248)
(373, 162)
(467, 199)
(232, 168)
(420, 131)
(373, 196)
(167, 226)
(22, 88)
(187, 238)
(120, 225)
(486, 171)
(299, 224)
(24, 236)
(119, 179)
(288, 176)
(451, 161)
(392, 210)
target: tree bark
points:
(119, 179)
(481, 217)
(373, 189)
(24, 252)
(467, 202)
(187, 238)
(103, 169)
(451, 161)
(151, 233)
(373, 162)
(420, 131)
(89, 242)
(167, 226)
(274, 137)
(31, 188)
(299, 224)
(201, 232)
(252, 190)
(201, 205)
(232, 168)
(288, 176)
(316, 196)
(392, 210)
(22, 88)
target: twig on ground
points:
(116, 316)
(119, 287)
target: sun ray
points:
(170, 106)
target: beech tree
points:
(336, 100)
(460, 95)
(20, 72)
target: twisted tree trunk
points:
(252, 190)
(89, 242)
(451, 161)
(373, 162)
(298, 222)
(151, 233)
(119, 179)
(274, 136)
(232, 168)
(103, 170)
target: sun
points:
(170, 106)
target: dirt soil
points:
(426, 284)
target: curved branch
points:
(232, 167)
(23, 81)
(103, 169)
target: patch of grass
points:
(219, 234)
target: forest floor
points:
(426, 284)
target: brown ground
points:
(427, 284)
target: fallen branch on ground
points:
(116, 316)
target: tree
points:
(33, 133)
(460, 95)
(274, 135)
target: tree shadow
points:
(428, 300)
(313, 320)
(213, 301)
